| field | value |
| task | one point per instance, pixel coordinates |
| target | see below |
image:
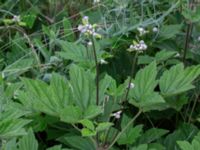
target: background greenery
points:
(47, 75)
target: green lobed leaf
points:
(143, 95)
(177, 79)
(82, 86)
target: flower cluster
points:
(142, 31)
(88, 29)
(140, 47)
(117, 115)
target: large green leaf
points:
(143, 95)
(46, 98)
(177, 79)
(83, 87)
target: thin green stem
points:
(187, 40)
(193, 107)
(124, 129)
(131, 75)
(97, 70)
(188, 34)
(97, 80)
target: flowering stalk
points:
(97, 70)
(89, 30)
(131, 75)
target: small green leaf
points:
(103, 126)
(88, 124)
(87, 132)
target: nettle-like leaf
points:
(143, 95)
(83, 87)
(177, 79)
(46, 98)
(70, 100)
(194, 145)
(28, 142)
(11, 124)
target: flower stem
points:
(97, 70)
(131, 75)
(124, 129)
(188, 34)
